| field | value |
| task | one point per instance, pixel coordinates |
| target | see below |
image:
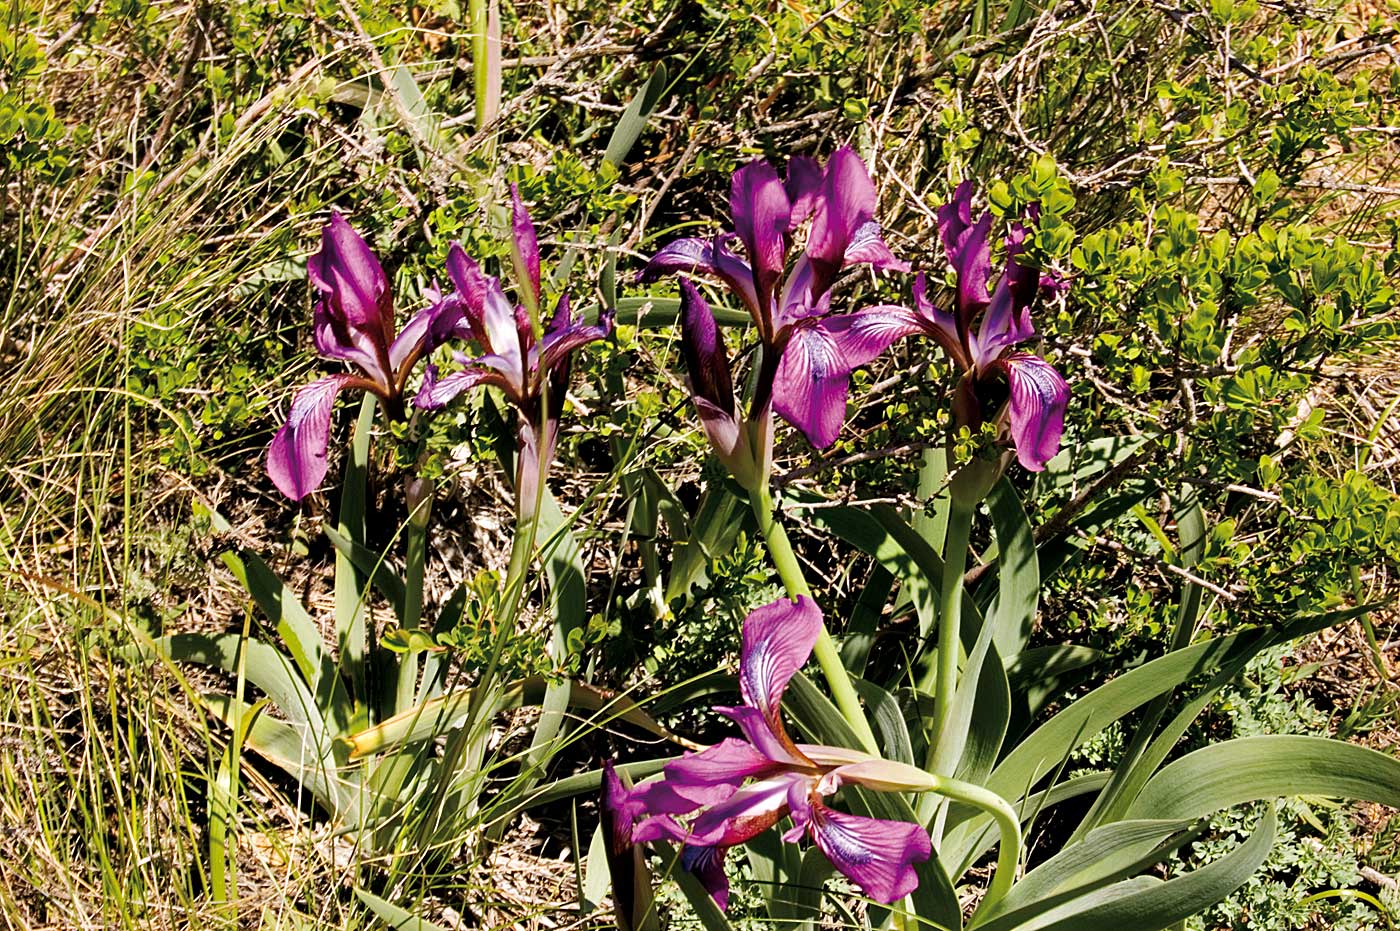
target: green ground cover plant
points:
(1117, 644)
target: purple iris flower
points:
(1036, 395)
(804, 375)
(354, 323)
(533, 373)
(736, 789)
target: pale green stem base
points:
(1008, 824)
(828, 657)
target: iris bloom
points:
(980, 334)
(736, 789)
(354, 323)
(804, 376)
(533, 373)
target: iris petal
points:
(1039, 396)
(296, 458)
(810, 386)
(875, 854)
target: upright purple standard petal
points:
(1039, 396)
(706, 361)
(296, 458)
(968, 252)
(810, 386)
(761, 213)
(875, 854)
(425, 331)
(489, 315)
(567, 334)
(356, 288)
(846, 202)
(804, 181)
(1008, 318)
(524, 247)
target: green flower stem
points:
(955, 547)
(785, 561)
(1008, 824)
(414, 563)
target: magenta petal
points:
(707, 864)
(862, 336)
(425, 331)
(725, 764)
(767, 735)
(1008, 318)
(1039, 396)
(745, 814)
(867, 247)
(524, 247)
(683, 255)
(335, 339)
(777, 640)
(435, 392)
(490, 316)
(966, 245)
(804, 181)
(846, 202)
(875, 854)
(761, 212)
(706, 361)
(559, 343)
(349, 274)
(296, 458)
(809, 388)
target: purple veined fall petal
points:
(425, 331)
(846, 201)
(707, 865)
(875, 854)
(689, 255)
(811, 383)
(706, 360)
(525, 246)
(1008, 317)
(745, 814)
(1039, 396)
(867, 247)
(335, 340)
(777, 641)
(349, 274)
(296, 457)
(437, 392)
(863, 336)
(761, 210)
(804, 181)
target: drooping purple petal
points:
(425, 331)
(524, 246)
(707, 865)
(777, 641)
(696, 777)
(875, 854)
(702, 345)
(761, 211)
(708, 257)
(437, 392)
(861, 337)
(846, 202)
(810, 385)
(1008, 318)
(768, 736)
(559, 344)
(867, 247)
(804, 181)
(1039, 396)
(349, 274)
(968, 252)
(296, 458)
